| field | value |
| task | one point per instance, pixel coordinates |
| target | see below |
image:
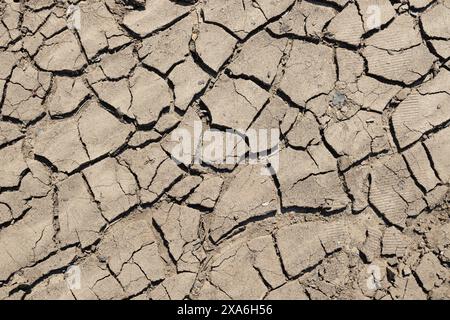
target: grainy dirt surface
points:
(94, 204)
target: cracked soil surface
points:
(358, 208)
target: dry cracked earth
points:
(358, 208)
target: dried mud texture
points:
(358, 208)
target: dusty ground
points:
(93, 205)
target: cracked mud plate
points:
(225, 149)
